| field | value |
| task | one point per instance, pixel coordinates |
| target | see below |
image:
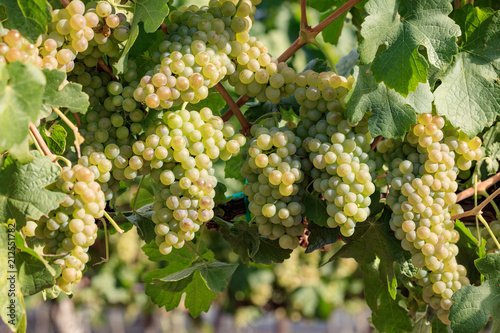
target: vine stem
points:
(77, 118)
(113, 223)
(303, 15)
(107, 69)
(307, 35)
(477, 210)
(375, 142)
(163, 27)
(106, 242)
(65, 3)
(41, 143)
(493, 204)
(483, 221)
(482, 186)
(233, 107)
(78, 137)
(35, 143)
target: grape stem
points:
(233, 107)
(107, 69)
(303, 15)
(113, 223)
(457, 4)
(483, 221)
(77, 118)
(43, 146)
(103, 260)
(65, 3)
(137, 194)
(495, 207)
(477, 210)
(375, 142)
(34, 142)
(482, 186)
(306, 35)
(194, 250)
(163, 27)
(78, 137)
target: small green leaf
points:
(70, 96)
(220, 193)
(270, 251)
(315, 209)
(332, 32)
(242, 236)
(34, 276)
(255, 112)
(214, 102)
(317, 65)
(30, 17)
(320, 236)
(21, 91)
(198, 296)
(23, 193)
(474, 305)
(346, 63)
(232, 167)
(468, 251)
(55, 137)
(404, 27)
(144, 224)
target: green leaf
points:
(220, 193)
(315, 209)
(144, 223)
(34, 275)
(270, 251)
(232, 167)
(151, 13)
(391, 114)
(13, 312)
(242, 236)
(146, 42)
(468, 251)
(214, 102)
(55, 137)
(321, 5)
(387, 315)
(70, 96)
(469, 94)
(30, 17)
(403, 26)
(473, 306)
(21, 153)
(346, 63)
(320, 236)
(23, 193)
(492, 157)
(332, 32)
(21, 91)
(255, 112)
(198, 296)
(317, 65)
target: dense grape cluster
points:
(181, 151)
(260, 75)
(70, 230)
(422, 178)
(195, 54)
(339, 151)
(14, 47)
(274, 175)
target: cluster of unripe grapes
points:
(195, 54)
(491, 246)
(185, 144)
(69, 230)
(422, 178)
(274, 183)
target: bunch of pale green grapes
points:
(89, 31)
(466, 150)
(258, 74)
(422, 198)
(491, 246)
(181, 150)
(70, 230)
(93, 82)
(341, 164)
(274, 176)
(194, 55)
(14, 47)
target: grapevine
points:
(368, 158)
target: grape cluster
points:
(70, 230)
(274, 186)
(260, 75)
(194, 55)
(93, 82)
(181, 151)
(466, 150)
(491, 246)
(339, 151)
(422, 178)
(14, 47)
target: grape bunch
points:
(339, 151)
(274, 186)
(14, 47)
(181, 150)
(69, 230)
(491, 246)
(194, 55)
(422, 178)
(260, 75)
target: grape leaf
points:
(214, 101)
(387, 315)
(13, 311)
(315, 209)
(468, 251)
(34, 275)
(469, 94)
(151, 13)
(21, 91)
(198, 296)
(242, 236)
(404, 26)
(30, 17)
(321, 5)
(474, 305)
(70, 96)
(270, 251)
(20, 152)
(55, 137)
(253, 113)
(347, 62)
(320, 236)
(332, 32)
(144, 224)
(23, 193)
(232, 167)
(391, 114)
(492, 158)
